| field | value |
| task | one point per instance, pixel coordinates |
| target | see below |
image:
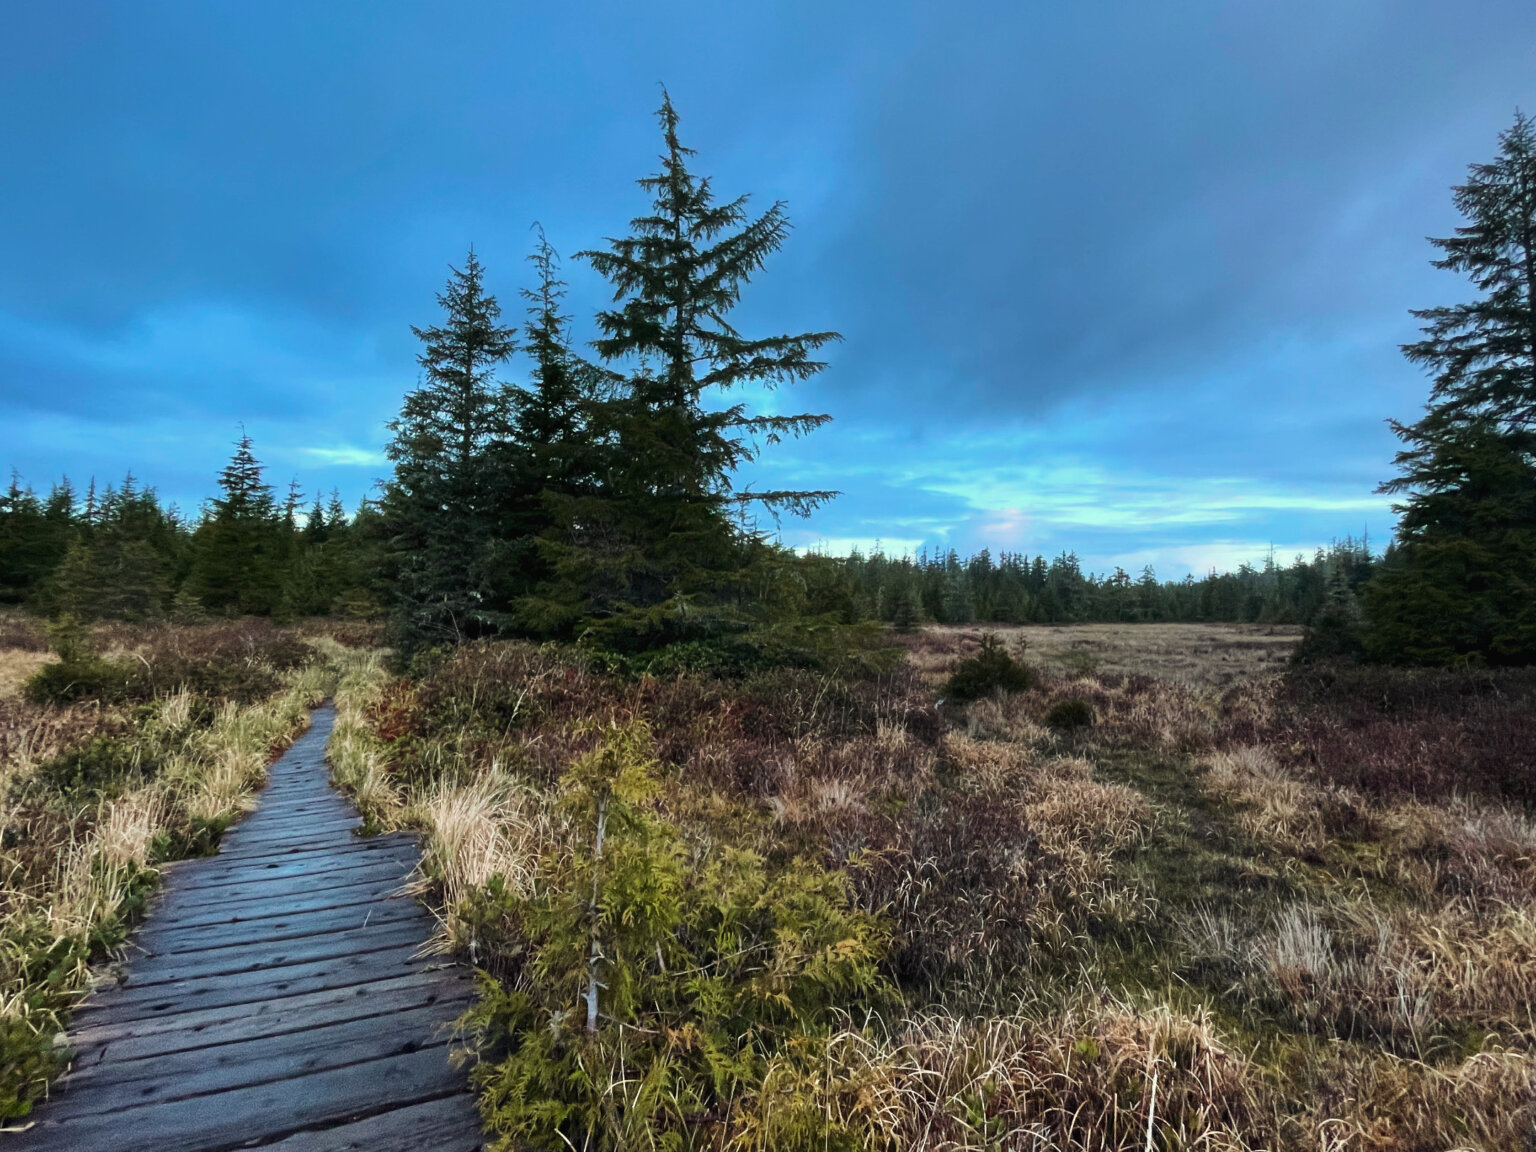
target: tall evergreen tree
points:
(553, 455)
(442, 507)
(123, 568)
(554, 412)
(1462, 585)
(662, 553)
(34, 537)
(238, 553)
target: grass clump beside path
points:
(97, 790)
(828, 914)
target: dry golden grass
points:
(1272, 805)
(15, 667)
(491, 827)
(1202, 655)
(1104, 1076)
(1172, 891)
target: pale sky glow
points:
(1122, 279)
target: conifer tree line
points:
(1015, 588)
(118, 553)
(596, 500)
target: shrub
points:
(21, 634)
(657, 984)
(85, 677)
(233, 662)
(31, 1062)
(1069, 715)
(106, 765)
(990, 670)
(1427, 732)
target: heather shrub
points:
(22, 633)
(239, 662)
(1428, 733)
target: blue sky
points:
(1122, 278)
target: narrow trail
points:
(274, 998)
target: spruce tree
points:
(553, 415)
(663, 552)
(442, 507)
(123, 568)
(553, 455)
(238, 553)
(1461, 586)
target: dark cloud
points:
(1127, 239)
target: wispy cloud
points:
(346, 456)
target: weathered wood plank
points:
(192, 1028)
(223, 865)
(259, 885)
(312, 866)
(339, 898)
(283, 834)
(447, 1125)
(193, 941)
(124, 1083)
(130, 1000)
(263, 956)
(232, 1119)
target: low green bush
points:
(85, 677)
(1069, 715)
(107, 766)
(648, 986)
(990, 670)
(31, 1061)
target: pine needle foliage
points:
(238, 549)
(441, 509)
(661, 554)
(1462, 588)
(660, 979)
(557, 454)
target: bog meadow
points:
(752, 848)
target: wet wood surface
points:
(275, 997)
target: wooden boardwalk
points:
(274, 998)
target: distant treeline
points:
(118, 552)
(1018, 589)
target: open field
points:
(1170, 885)
(1304, 905)
(1203, 655)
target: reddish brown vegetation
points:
(1425, 733)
